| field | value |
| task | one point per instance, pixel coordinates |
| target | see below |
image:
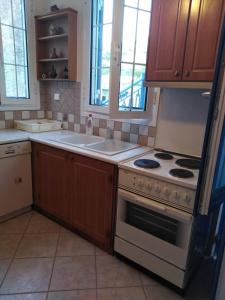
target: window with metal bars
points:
(136, 18)
(120, 32)
(14, 49)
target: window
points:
(14, 48)
(136, 17)
(16, 72)
(102, 19)
(118, 57)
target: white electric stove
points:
(155, 226)
(162, 176)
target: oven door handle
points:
(158, 207)
(142, 201)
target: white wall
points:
(181, 121)
(38, 6)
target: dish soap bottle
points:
(89, 125)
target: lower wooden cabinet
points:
(50, 181)
(92, 198)
(77, 190)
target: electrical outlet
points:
(56, 96)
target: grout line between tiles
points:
(71, 290)
(18, 245)
(53, 265)
(145, 293)
(54, 259)
(96, 279)
(91, 288)
(143, 287)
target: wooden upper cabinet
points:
(202, 39)
(183, 40)
(167, 39)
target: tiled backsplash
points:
(143, 135)
(69, 103)
(67, 109)
(7, 118)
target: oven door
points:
(159, 229)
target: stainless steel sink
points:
(111, 147)
(80, 139)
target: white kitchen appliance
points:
(155, 226)
(15, 179)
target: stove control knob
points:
(176, 195)
(148, 186)
(186, 198)
(157, 188)
(140, 183)
(166, 192)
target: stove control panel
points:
(157, 189)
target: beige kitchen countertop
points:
(14, 135)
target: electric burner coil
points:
(147, 163)
(181, 173)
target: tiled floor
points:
(41, 260)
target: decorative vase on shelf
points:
(66, 73)
(52, 30)
(59, 30)
(44, 76)
(54, 8)
(53, 54)
(53, 73)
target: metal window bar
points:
(97, 68)
(140, 94)
(25, 66)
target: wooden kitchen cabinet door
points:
(202, 39)
(168, 29)
(92, 199)
(50, 179)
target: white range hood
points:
(181, 122)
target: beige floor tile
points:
(4, 264)
(132, 293)
(8, 245)
(71, 244)
(41, 224)
(65, 230)
(77, 272)
(27, 276)
(111, 272)
(100, 251)
(37, 296)
(15, 225)
(73, 295)
(148, 280)
(161, 292)
(38, 245)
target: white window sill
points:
(8, 107)
(107, 117)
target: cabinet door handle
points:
(177, 73)
(18, 180)
(187, 73)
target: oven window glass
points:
(160, 226)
